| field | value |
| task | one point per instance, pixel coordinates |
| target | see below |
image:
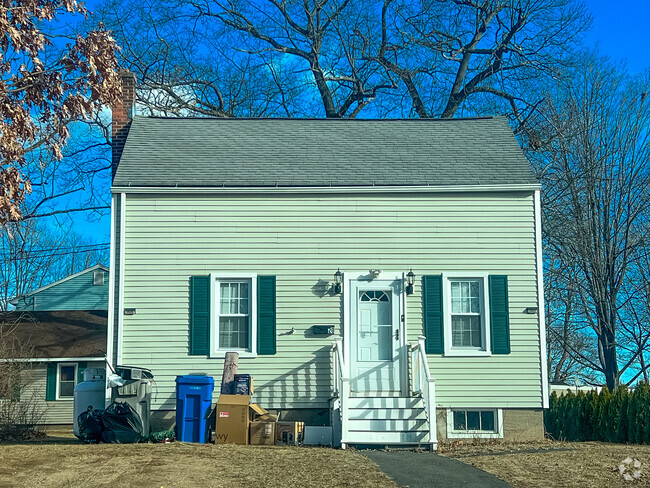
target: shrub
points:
(21, 405)
(621, 416)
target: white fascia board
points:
(110, 330)
(54, 360)
(541, 312)
(13, 301)
(326, 189)
(120, 290)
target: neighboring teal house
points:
(383, 277)
(85, 290)
(65, 324)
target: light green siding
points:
(78, 293)
(302, 240)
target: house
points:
(85, 290)
(60, 330)
(380, 276)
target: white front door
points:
(375, 337)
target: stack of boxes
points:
(238, 421)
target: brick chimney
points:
(122, 116)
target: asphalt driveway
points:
(428, 470)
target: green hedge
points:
(622, 416)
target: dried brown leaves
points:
(38, 98)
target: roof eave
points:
(327, 189)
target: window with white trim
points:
(66, 379)
(466, 330)
(234, 318)
(465, 423)
(466, 318)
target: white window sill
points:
(222, 354)
(476, 434)
(468, 353)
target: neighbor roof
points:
(210, 152)
(60, 334)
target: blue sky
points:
(620, 30)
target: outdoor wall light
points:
(530, 310)
(338, 279)
(374, 273)
(410, 279)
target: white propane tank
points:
(90, 392)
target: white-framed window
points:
(66, 379)
(234, 324)
(465, 423)
(467, 319)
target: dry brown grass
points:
(71, 464)
(555, 464)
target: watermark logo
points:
(630, 469)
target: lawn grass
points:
(555, 464)
(71, 464)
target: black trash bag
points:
(90, 426)
(122, 424)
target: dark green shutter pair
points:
(50, 385)
(199, 343)
(433, 310)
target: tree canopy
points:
(344, 58)
(48, 79)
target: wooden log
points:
(230, 365)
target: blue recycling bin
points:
(193, 404)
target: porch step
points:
(386, 425)
(386, 414)
(418, 437)
(386, 420)
(384, 402)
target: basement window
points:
(470, 423)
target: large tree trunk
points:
(607, 343)
(230, 365)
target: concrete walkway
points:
(428, 470)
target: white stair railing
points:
(341, 386)
(424, 386)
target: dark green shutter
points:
(81, 367)
(499, 316)
(16, 385)
(433, 314)
(266, 323)
(199, 343)
(50, 385)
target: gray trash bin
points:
(136, 392)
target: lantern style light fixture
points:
(338, 279)
(410, 279)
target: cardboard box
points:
(262, 433)
(260, 414)
(289, 433)
(233, 416)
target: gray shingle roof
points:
(320, 152)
